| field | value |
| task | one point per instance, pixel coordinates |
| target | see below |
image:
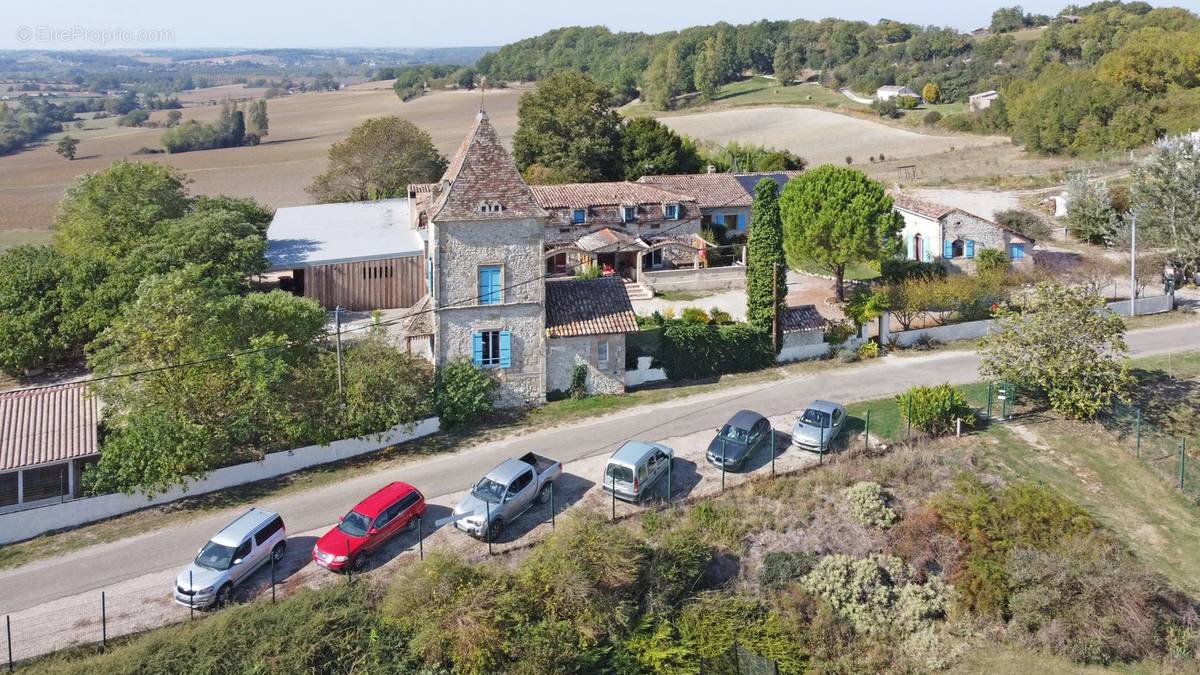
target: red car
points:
(368, 526)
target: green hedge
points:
(691, 350)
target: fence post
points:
(1138, 432)
(103, 622)
(488, 505)
(552, 505)
(989, 403)
(670, 477)
(421, 535)
(8, 631)
(821, 447)
(1182, 460)
(349, 564)
(867, 431)
(722, 465)
(772, 452)
(614, 499)
(909, 416)
(192, 597)
(272, 577)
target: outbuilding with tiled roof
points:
(586, 323)
(47, 435)
(935, 232)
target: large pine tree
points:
(766, 266)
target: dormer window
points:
(628, 214)
(671, 211)
(578, 216)
(490, 207)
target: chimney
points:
(712, 168)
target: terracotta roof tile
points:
(802, 318)
(921, 207)
(601, 241)
(715, 190)
(483, 173)
(576, 307)
(578, 195)
(54, 424)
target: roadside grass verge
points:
(681, 296)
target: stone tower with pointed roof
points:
(485, 244)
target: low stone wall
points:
(703, 279)
(644, 373)
(1155, 304)
(564, 353)
(19, 525)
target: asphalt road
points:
(102, 565)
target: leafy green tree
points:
(184, 420)
(790, 59)
(649, 147)
(1166, 197)
(766, 265)
(1090, 214)
(1063, 111)
(834, 216)
(30, 308)
(66, 147)
(378, 160)
(173, 118)
(464, 393)
(1061, 346)
(569, 125)
(664, 79)
(385, 386)
(931, 92)
(258, 123)
(1008, 19)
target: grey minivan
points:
(634, 468)
(230, 557)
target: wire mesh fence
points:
(737, 660)
(1163, 444)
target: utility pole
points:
(337, 320)
(1133, 267)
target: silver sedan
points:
(818, 426)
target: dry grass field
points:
(276, 172)
(820, 136)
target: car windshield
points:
(215, 556)
(355, 524)
(489, 491)
(620, 473)
(734, 434)
(815, 418)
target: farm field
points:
(819, 136)
(303, 126)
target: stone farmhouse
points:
(938, 233)
(724, 198)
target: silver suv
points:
(231, 557)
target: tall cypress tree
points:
(766, 266)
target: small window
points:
(489, 285)
(8, 488)
(492, 349)
(410, 500)
(1016, 251)
(602, 354)
(44, 482)
(520, 483)
(386, 517)
(271, 528)
(629, 213)
(671, 211)
(578, 216)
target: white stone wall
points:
(458, 250)
(931, 236)
(564, 353)
(703, 279)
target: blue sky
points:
(88, 24)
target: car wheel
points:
(223, 596)
(495, 530)
(544, 494)
(411, 526)
(278, 551)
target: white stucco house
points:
(938, 233)
(892, 91)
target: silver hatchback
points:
(230, 557)
(818, 426)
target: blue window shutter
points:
(741, 221)
(477, 349)
(947, 249)
(1016, 251)
(719, 218)
(970, 248)
(429, 275)
(908, 245)
(505, 349)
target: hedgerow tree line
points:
(1116, 78)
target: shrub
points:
(907, 102)
(837, 332)
(991, 522)
(887, 108)
(719, 316)
(710, 625)
(780, 568)
(868, 505)
(935, 409)
(896, 270)
(1024, 222)
(676, 569)
(578, 388)
(694, 314)
(991, 261)
(926, 342)
(878, 594)
(1091, 601)
(691, 349)
(868, 349)
(931, 118)
(588, 271)
(464, 393)
(848, 355)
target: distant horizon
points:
(76, 25)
